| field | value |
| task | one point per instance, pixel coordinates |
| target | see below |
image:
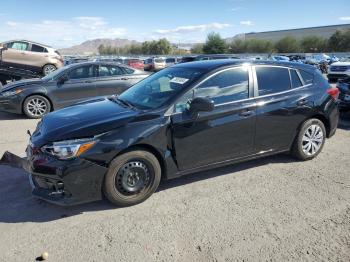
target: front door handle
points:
(302, 102)
(246, 113)
(124, 78)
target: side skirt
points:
(227, 162)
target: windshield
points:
(160, 88)
(54, 74)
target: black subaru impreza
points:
(183, 119)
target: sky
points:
(65, 23)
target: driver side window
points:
(226, 86)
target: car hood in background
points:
(22, 83)
(82, 120)
(341, 64)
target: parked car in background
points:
(68, 85)
(32, 56)
(170, 61)
(131, 62)
(154, 64)
(184, 119)
(344, 95)
(339, 70)
(74, 60)
(214, 57)
(186, 59)
(279, 58)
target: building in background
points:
(299, 33)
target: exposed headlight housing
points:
(11, 93)
(70, 148)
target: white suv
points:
(339, 70)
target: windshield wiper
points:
(121, 101)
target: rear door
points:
(80, 86)
(37, 55)
(283, 100)
(111, 80)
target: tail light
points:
(333, 92)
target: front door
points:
(223, 134)
(79, 86)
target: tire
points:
(47, 69)
(140, 166)
(36, 106)
(309, 146)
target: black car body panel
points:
(234, 131)
(72, 91)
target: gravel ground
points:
(274, 208)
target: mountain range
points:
(91, 46)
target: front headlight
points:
(11, 93)
(70, 148)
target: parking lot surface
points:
(274, 208)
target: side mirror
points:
(201, 104)
(62, 80)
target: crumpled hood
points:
(22, 84)
(83, 120)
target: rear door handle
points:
(246, 113)
(124, 78)
(302, 102)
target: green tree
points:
(214, 44)
(313, 44)
(259, 46)
(287, 44)
(339, 41)
(197, 49)
(238, 46)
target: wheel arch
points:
(151, 149)
(38, 94)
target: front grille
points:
(339, 68)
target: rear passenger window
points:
(272, 79)
(128, 70)
(227, 86)
(37, 48)
(307, 77)
(108, 70)
(296, 82)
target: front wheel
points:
(132, 178)
(310, 140)
(36, 106)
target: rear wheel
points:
(47, 69)
(310, 140)
(36, 106)
(132, 178)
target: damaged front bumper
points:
(62, 182)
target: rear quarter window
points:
(307, 77)
(294, 77)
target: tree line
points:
(215, 44)
(338, 42)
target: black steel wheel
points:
(132, 178)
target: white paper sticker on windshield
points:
(178, 80)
